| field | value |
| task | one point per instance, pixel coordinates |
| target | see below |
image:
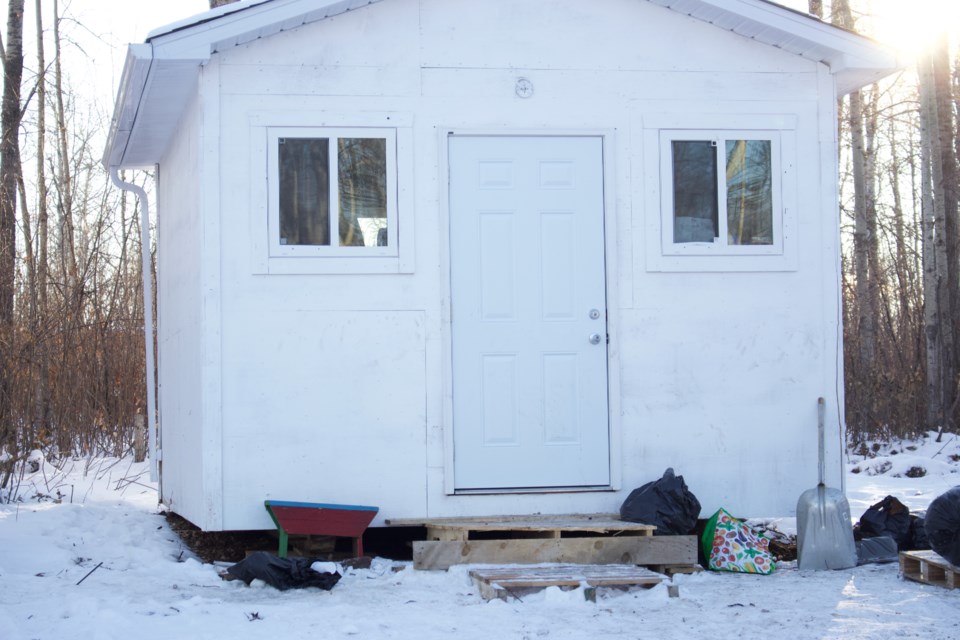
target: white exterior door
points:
(528, 312)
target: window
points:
(332, 192)
(721, 193)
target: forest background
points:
(72, 357)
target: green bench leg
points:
(284, 538)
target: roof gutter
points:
(133, 85)
(148, 333)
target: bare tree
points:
(40, 292)
(861, 123)
(10, 172)
(940, 232)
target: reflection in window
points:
(304, 191)
(357, 175)
(749, 192)
(695, 207)
(363, 191)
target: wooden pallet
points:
(504, 582)
(638, 550)
(580, 539)
(535, 526)
(930, 568)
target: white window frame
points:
(278, 250)
(720, 244)
(659, 255)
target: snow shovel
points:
(824, 533)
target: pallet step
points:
(533, 526)
(513, 581)
(929, 567)
(636, 550)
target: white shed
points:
(453, 258)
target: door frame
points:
(611, 274)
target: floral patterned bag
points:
(729, 544)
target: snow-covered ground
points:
(102, 516)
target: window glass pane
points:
(749, 192)
(695, 205)
(363, 191)
(304, 191)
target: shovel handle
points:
(821, 413)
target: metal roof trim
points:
(791, 30)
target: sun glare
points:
(915, 25)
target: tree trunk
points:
(42, 399)
(937, 294)
(874, 274)
(861, 234)
(902, 263)
(950, 189)
(816, 8)
(64, 170)
(10, 173)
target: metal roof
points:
(160, 76)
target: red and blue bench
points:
(318, 519)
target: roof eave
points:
(136, 69)
(851, 75)
(207, 33)
(854, 60)
(132, 144)
(169, 63)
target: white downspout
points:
(147, 316)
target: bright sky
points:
(103, 28)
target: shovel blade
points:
(824, 533)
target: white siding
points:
(334, 387)
(180, 320)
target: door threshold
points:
(516, 490)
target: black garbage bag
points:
(877, 550)
(889, 517)
(665, 503)
(282, 573)
(942, 525)
(918, 533)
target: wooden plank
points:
(929, 567)
(645, 550)
(446, 535)
(599, 526)
(499, 582)
(425, 522)
(572, 575)
(554, 524)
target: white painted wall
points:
(180, 321)
(334, 388)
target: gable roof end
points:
(854, 60)
(160, 76)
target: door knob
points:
(595, 338)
